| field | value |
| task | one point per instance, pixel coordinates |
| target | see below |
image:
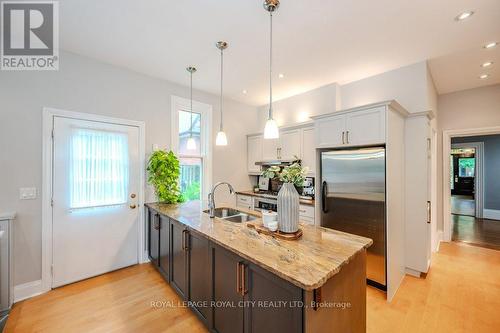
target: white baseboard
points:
(438, 240)
(27, 290)
(491, 214)
(412, 272)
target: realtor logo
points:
(30, 35)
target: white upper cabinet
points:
(351, 128)
(330, 131)
(309, 150)
(365, 127)
(289, 148)
(270, 149)
(254, 153)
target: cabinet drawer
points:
(244, 201)
(306, 211)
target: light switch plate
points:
(27, 193)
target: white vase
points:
(288, 208)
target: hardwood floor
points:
(460, 293)
(463, 205)
(474, 231)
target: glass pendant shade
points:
(221, 139)
(271, 130)
(191, 144)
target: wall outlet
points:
(27, 193)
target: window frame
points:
(183, 104)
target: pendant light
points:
(191, 144)
(271, 130)
(221, 139)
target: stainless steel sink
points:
(240, 218)
(232, 215)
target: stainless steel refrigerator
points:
(353, 201)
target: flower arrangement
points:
(293, 173)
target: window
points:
(466, 166)
(195, 163)
(98, 168)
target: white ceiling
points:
(316, 42)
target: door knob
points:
(132, 195)
(133, 206)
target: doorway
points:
(94, 224)
(463, 179)
(474, 183)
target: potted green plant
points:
(163, 173)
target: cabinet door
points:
(178, 275)
(308, 150)
(225, 269)
(289, 145)
(262, 285)
(330, 131)
(164, 259)
(254, 153)
(270, 149)
(365, 127)
(153, 236)
(199, 274)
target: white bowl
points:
(268, 217)
(273, 226)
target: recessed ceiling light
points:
(464, 15)
(281, 75)
(487, 64)
(491, 45)
(484, 76)
(244, 91)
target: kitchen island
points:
(237, 280)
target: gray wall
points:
(86, 85)
(491, 167)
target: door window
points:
(99, 168)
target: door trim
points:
(48, 115)
(447, 135)
(478, 174)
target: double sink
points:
(232, 215)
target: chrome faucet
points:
(211, 198)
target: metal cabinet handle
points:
(343, 138)
(347, 136)
(238, 278)
(429, 212)
(243, 280)
(324, 192)
(156, 222)
(185, 240)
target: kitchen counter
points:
(307, 263)
(257, 194)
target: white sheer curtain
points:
(99, 166)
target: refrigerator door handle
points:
(324, 192)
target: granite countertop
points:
(307, 263)
(257, 194)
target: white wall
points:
(468, 109)
(411, 86)
(300, 108)
(407, 85)
(86, 85)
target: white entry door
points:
(95, 187)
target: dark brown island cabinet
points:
(230, 294)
